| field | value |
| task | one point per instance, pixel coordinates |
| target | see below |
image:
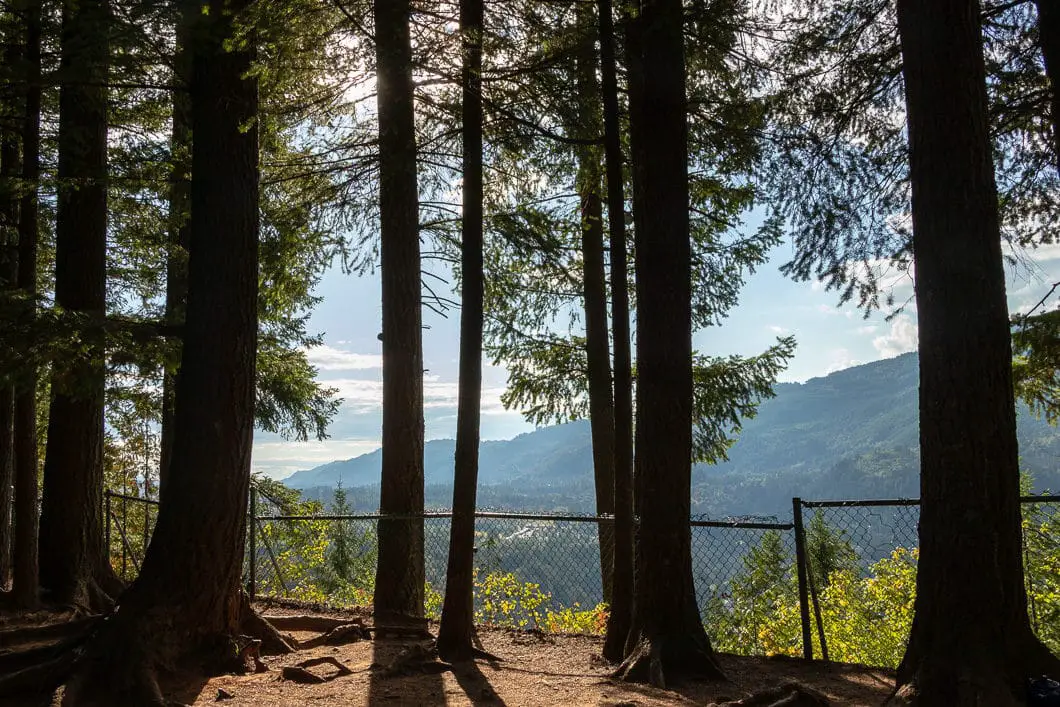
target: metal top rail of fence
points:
(834, 581)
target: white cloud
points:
(779, 330)
(365, 396)
(839, 359)
(867, 329)
(902, 338)
(328, 358)
(280, 459)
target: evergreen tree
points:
(201, 529)
(666, 639)
(24, 585)
(971, 640)
(458, 612)
(400, 574)
(73, 567)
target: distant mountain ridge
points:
(546, 453)
(852, 433)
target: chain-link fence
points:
(838, 582)
(859, 578)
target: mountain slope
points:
(849, 434)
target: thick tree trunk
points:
(177, 241)
(458, 613)
(187, 597)
(24, 584)
(594, 292)
(399, 572)
(1049, 39)
(667, 640)
(971, 642)
(620, 617)
(72, 561)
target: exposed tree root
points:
(790, 694)
(300, 673)
(416, 658)
(345, 633)
(39, 678)
(305, 622)
(667, 659)
(956, 678)
(36, 634)
(254, 624)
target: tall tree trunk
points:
(177, 240)
(620, 616)
(187, 598)
(9, 172)
(594, 291)
(1049, 39)
(971, 642)
(667, 638)
(24, 585)
(458, 613)
(72, 561)
(399, 573)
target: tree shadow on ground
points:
(183, 688)
(386, 688)
(475, 685)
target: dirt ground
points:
(534, 669)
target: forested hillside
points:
(851, 434)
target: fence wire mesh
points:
(543, 571)
(861, 559)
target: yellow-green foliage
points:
(1041, 533)
(502, 600)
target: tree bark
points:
(187, 597)
(9, 172)
(594, 292)
(7, 478)
(458, 612)
(971, 640)
(620, 617)
(399, 571)
(73, 567)
(24, 581)
(1049, 39)
(667, 640)
(178, 240)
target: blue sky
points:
(829, 338)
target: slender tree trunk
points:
(7, 478)
(9, 172)
(186, 598)
(1049, 39)
(971, 642)
(72, 561)
(667, 639)
(177, 242)
(620, 616)
(399, 573)
(594, 292)
(24, 586)
(458, 613)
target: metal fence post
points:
(252, 583)
(800, 563)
